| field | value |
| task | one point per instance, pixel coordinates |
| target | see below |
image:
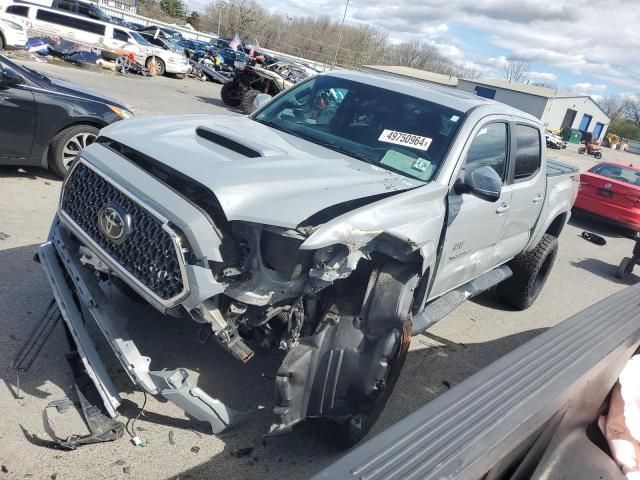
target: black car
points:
(46, 121)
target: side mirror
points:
(261, 99)
(9, 77)
(483, 182)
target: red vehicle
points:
(612, 191)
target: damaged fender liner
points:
(173, 385)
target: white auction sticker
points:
(405, 139)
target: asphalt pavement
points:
(473, 336)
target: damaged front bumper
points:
(81, 300)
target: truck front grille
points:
(148, 253)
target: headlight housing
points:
(121, 112)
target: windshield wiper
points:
(345, 151)
(276, 126)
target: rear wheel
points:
(66, 145)
(230, 95)
(247, 101)
(581, 150)
(530, 272)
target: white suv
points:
(12, 34)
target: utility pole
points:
(340, 36)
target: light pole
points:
(340, 36)
(221, 6)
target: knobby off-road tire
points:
(247, 101)
(228, 94)
(530, 272)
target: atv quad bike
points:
(250, 81)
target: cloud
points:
(588, 88)
(542, 76)
(581, 37)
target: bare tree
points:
(613, 106)
(516, 71)
(632, 110)
(545, 84)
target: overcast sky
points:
(590, 46)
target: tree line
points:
(321, 39)
(624, 112)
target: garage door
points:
(584, 124)
(597, 130)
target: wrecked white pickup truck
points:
(345, 215)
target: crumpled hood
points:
(292, 181)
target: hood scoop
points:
(236, 143)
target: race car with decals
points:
(339, 219)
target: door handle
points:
(538, 198)
(502, 208)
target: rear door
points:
(17, 119)
(475, 225)
(528, 183)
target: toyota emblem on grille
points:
(114, 223)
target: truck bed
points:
(556, 167)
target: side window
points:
(489, 148)
(528, 151)
(19, 10)
(70, 21)
(120, 35)
(68, 5)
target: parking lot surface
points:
(476, 334)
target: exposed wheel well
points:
(555, 229)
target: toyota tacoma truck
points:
(342, 217)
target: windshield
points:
(397, 132)
(140, 39)
(618, 172)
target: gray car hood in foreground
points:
(292, 181)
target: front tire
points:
(530, 273)
(66, 145)
(161, 67)
(229, 95)
(353, 430)
(247, 101)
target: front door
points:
(17, 116)
(475, 225)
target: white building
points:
(129, 6)
(556, 109)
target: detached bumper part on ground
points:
(66, 276)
